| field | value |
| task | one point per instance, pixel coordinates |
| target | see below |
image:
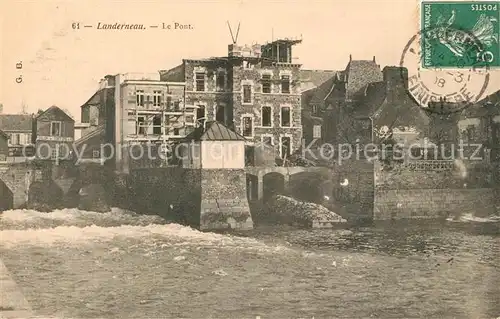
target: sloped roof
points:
(16, 122)
(2, 133)
(94, 99)
(55, 108)
(403, 111)
(321, 92)
(316, 77)
(360, 73)
(214, 131)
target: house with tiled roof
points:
(19, 128)
(324, 104)
(54, 133)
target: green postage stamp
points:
(458, 34)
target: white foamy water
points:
(471, 218)
(70, 227)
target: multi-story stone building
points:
(130, 109)
(254, 91)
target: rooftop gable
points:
(359, 73)
(55, 110)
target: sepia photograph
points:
(236, 159)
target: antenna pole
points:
(237, 33)
(231, 31)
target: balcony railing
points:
(430, 165)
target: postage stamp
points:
(449, 89)
(460, 34)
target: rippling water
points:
(73, 264)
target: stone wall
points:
(434, 193)
(224, 202)
(354, 189)
(208, 199)
(433, 203)
(172, 193)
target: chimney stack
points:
(374, 59)
(350, 57)
(396, 81)
(1, 108)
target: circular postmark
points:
(444, 69)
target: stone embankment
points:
(12, 301)
(287, 210)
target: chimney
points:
(350, 57)
(374, 59)
(1, 108)
(396, 81)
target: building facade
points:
(54, 132)
(19, 129)
(254, 90)
(133, 109)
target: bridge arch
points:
(273, 184)
(311, 186)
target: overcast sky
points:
(62, 66)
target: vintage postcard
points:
(249, 159)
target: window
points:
(55, 128)
(95, 154)
(139, 94)
(220, 82)
(285, 150)
(176, 131)
(285, 84)
(54, 153)
(220, 115)
(247, 93)
(247, 126)
(200, 81)
(177, 106)
(314, 109)
(140, 129)
(156, 98)
(266, 83)
(200, 115)
(470, 132)
(317, 131)
(267, 116)
(285, 116)
(157, 125)
(14, 139)
(267, 140)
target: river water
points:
(74, 264)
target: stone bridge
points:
(266, 181)
(21, 181)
